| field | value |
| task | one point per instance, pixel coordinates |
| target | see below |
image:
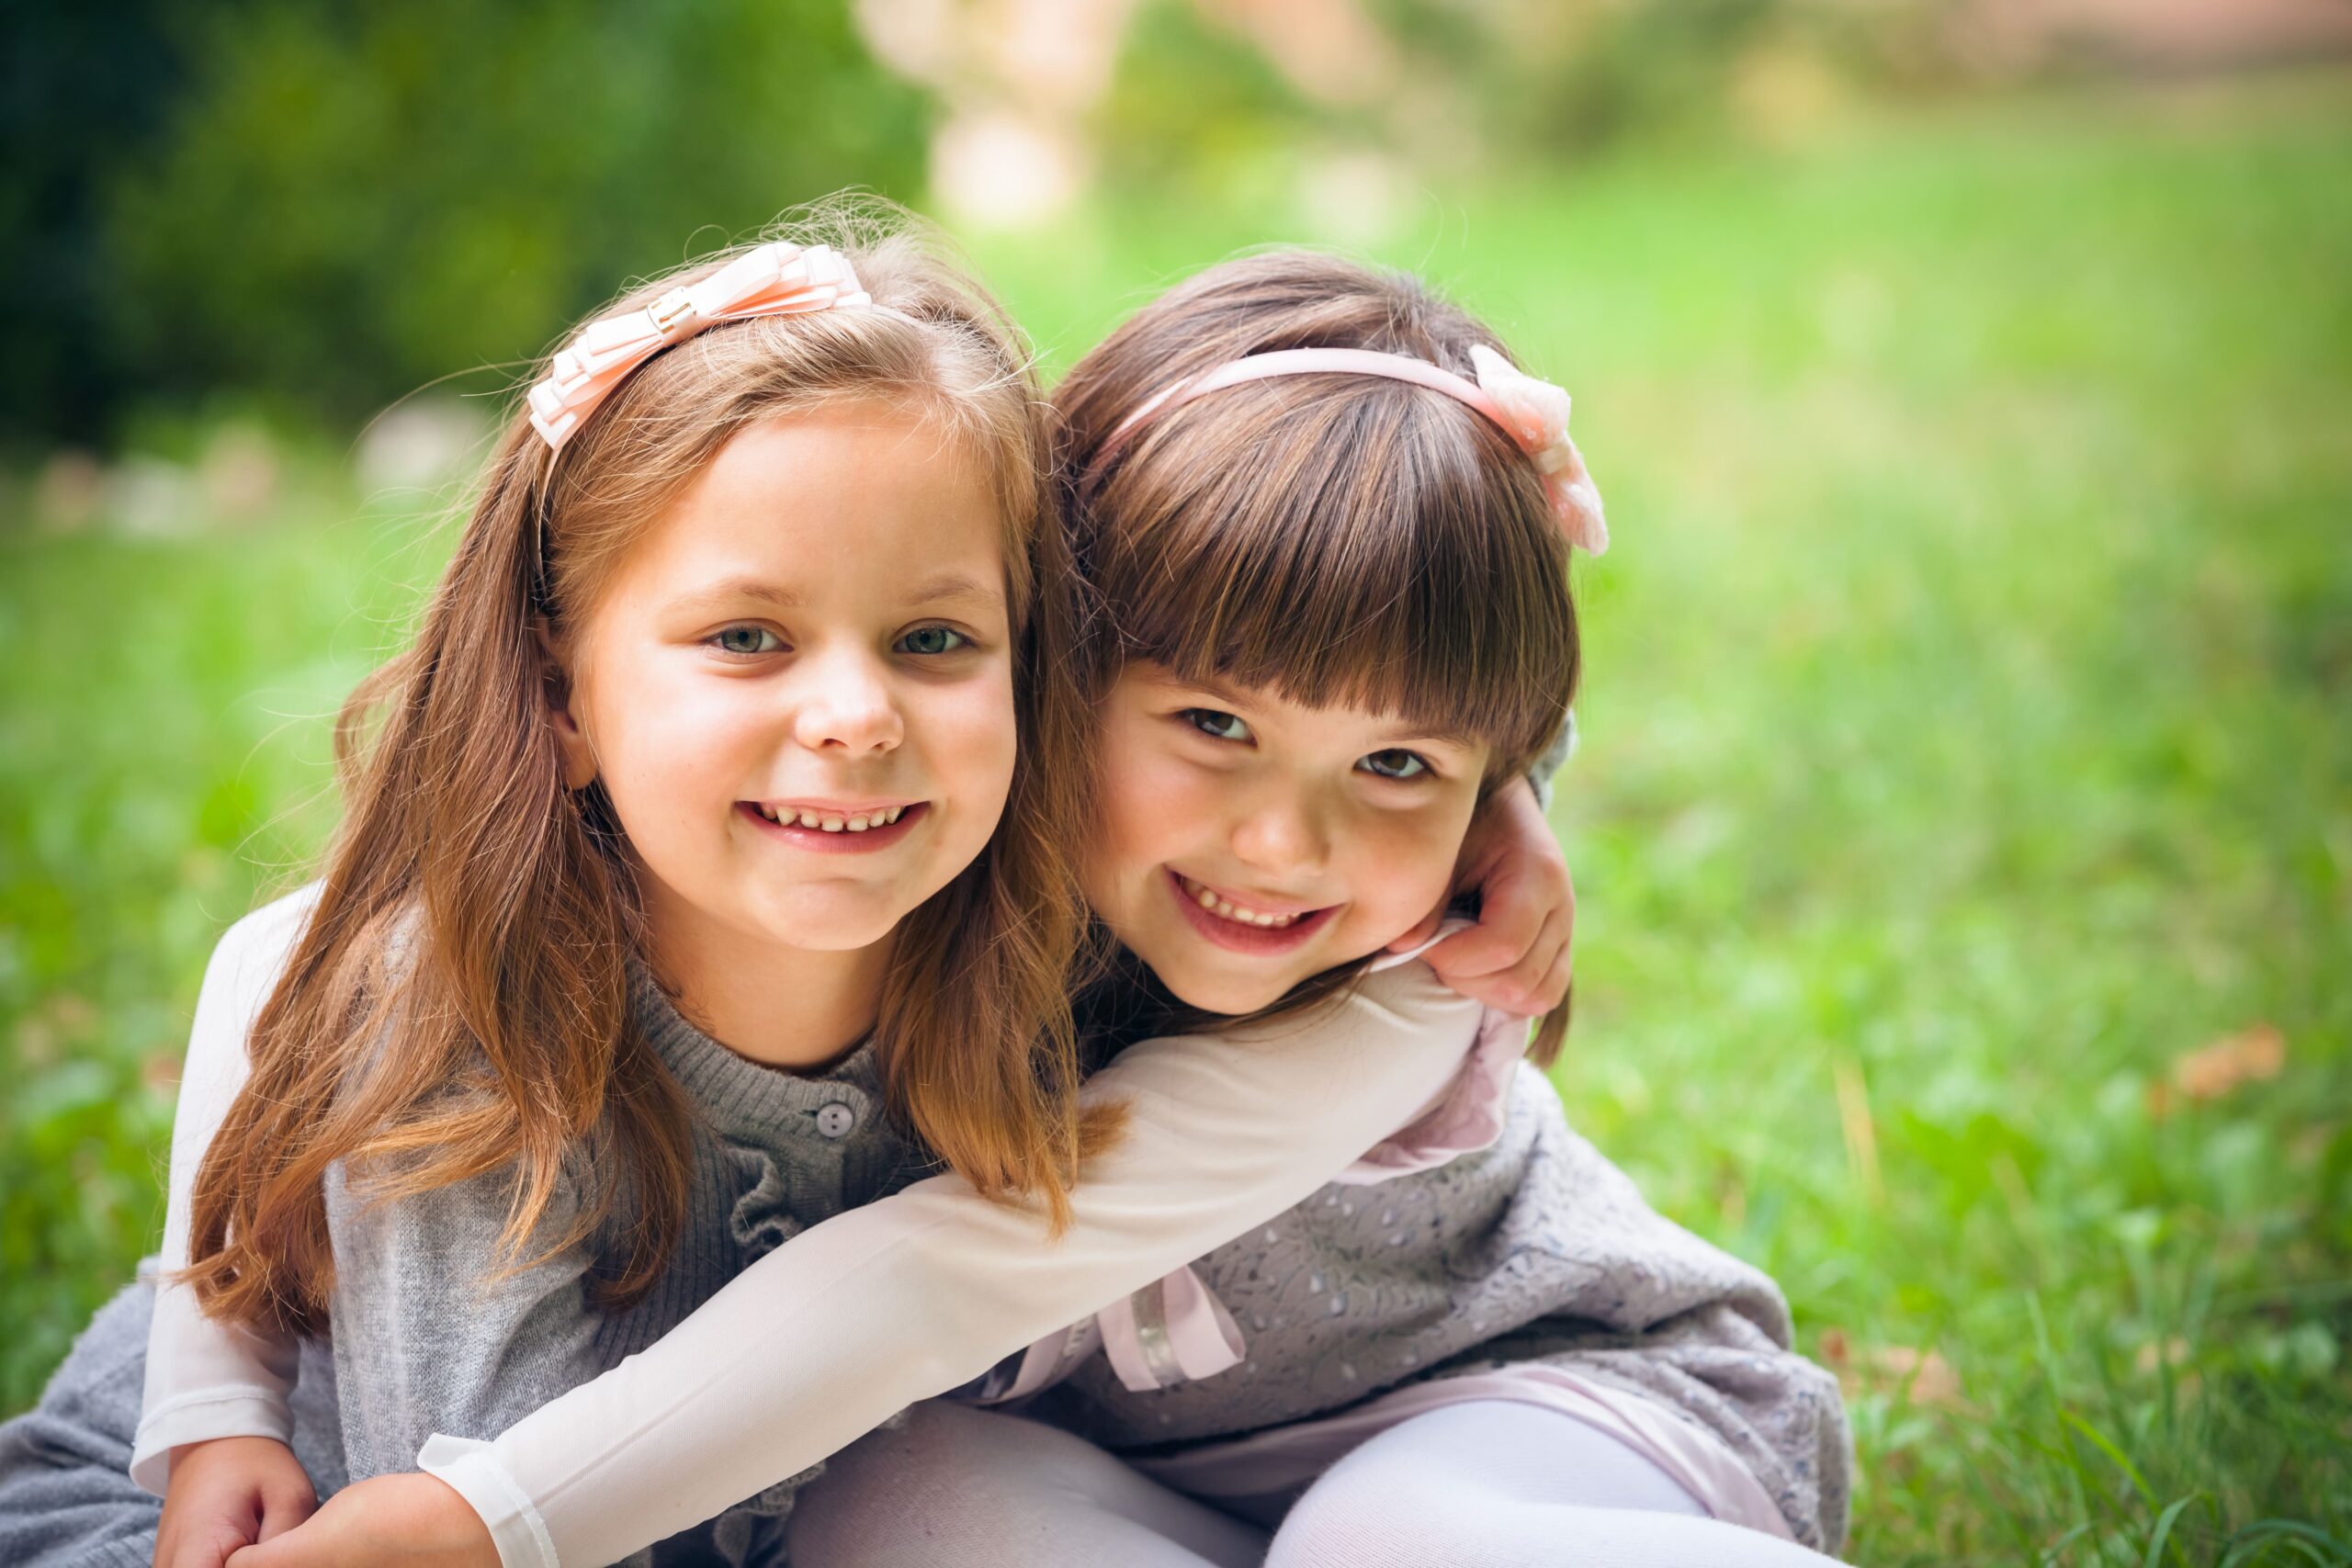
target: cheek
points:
(1403, 863)
(662, 737)
(969, 734)
(1151, 807)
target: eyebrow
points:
(947, 587)
(745, 588)
(1460, 739)
(1396, 735)
(953, 585)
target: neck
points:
(795, 1007)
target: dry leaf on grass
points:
(2251, 1055)
(1923, 1377)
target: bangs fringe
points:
(1397, 581)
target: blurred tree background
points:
(322, 208)
(1964, 827)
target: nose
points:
(849, 707)
(1283, 832)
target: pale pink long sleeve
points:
(853, 1320)
(205, 1379)
(856, 1319)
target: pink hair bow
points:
(1537, 413)
(776, 279)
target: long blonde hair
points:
(457, 1004)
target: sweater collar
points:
(741, 1096)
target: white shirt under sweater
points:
(880, 1306)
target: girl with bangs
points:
(1323, 527)
(705, 877)
(1325, 524)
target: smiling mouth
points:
(1240, 928)
(835, 830)
(1225, 908)
(830, 822)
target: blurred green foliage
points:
(314, 210)
(323, 206)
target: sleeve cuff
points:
(1545, 769)
(240, 1414)
(471, 1468)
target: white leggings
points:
(1486, 1484)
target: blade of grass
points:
(2162, 1536)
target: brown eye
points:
(1212, 722)
(1395, 763)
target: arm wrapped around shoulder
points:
(853, 1320)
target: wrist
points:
(207, 1451)
(501, 1510)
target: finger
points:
(1422, 932)
(1509, 922)
(1516, 989)
(290, 1549)
(1534, 974)
(285, 1551)
(1553, 989)
(201, 1548)
(1524, 980)
(283, 1507)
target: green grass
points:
(1969, 738)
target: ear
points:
(554, 685)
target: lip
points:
(817, 842)
(1256, 942)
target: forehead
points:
(858, 496)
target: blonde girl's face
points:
(797, 689)
(1248, 842)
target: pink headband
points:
(1532, 412)
(777, 279)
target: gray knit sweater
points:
(424, 1343)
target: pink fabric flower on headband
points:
(777, 279)
(1537, 413)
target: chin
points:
(827, 922)
(1224, 994)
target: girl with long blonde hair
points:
(702, 875)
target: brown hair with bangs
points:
(457, 1004)
(1343, 540)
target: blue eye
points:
(1223, 726)
(933, 640)
(1394, 763)
(746, 640)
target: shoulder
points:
(1476, 1104)
(253, 953)
(1397, 1002)
(1409, 995)
(246, 967)
(260, 944)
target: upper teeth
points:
(1226, 908)
(831, 822)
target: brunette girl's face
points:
(797, 688)
(1248, 842)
